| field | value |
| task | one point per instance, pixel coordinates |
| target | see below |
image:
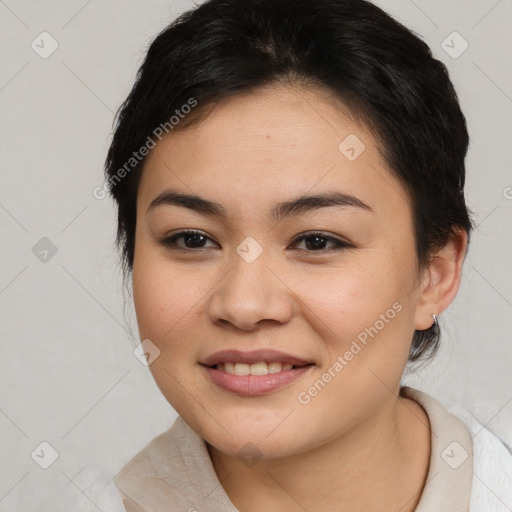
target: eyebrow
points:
(297, 206)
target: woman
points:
(289, 178)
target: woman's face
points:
(326, 286)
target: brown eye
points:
(191, 240)
(317, 242)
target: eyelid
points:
(340, 243)
(169, 240)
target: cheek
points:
(364, 313)
(166, 298)
(349, 298)
(167, 304)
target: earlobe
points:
(441, 281)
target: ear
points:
(441, 280)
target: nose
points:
(249, 295)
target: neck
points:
(382, 463)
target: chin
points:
(256, 435)
(244, 446)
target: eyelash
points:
(170, 242)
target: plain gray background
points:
(68, 373)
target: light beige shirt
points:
(174, 471)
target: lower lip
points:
(254, 385)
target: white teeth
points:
(259, 368)
(274, 367)
(242, 369)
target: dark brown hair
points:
(381, 70)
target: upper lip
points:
(254, 356)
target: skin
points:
(357, 440)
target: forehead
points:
(260, 148)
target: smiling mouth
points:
(255, 372)
(259, 368)
(255, 379)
